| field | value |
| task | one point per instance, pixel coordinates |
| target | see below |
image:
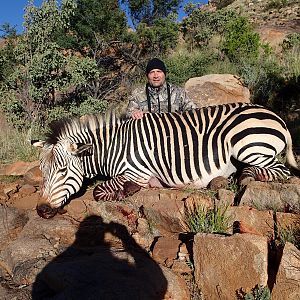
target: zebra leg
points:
(115, 189)
(271, 173)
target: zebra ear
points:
(77, 148)
(37, 143)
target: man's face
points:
(156, 78)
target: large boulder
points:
(287, 285)
(215, 89)
(226, 265)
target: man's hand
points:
(137, 114)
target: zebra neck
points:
(107, 142)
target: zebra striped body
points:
(175, 149)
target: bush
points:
(160, 37)
(201, 26)
(259, 292)
(263, 77)
(240, 40)
(184, 65)
(292, 40)
(201, 219)
(87, 106)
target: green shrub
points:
(87, 106)
(240, 40)
(184, 65)
(160, 37)
(202, 219)
(291, 40)
(277, 4)
(291, 234)
(201, 26)
(263, 77)
(258, 293)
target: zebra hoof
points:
(46, 212)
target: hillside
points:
(273, 19)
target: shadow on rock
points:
(92, 269)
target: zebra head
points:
(62, 172)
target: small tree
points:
(44, 70)
(160, 37)
(147, 11)
(240, 40)
(93, 23)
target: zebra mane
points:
(67, 127)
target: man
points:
(158, 95)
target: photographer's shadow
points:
(91, 269)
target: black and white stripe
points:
(176, 149)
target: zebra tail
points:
(290, 157)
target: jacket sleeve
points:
(132, 105)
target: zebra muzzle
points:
(46, 211)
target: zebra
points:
(161, 149)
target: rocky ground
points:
(142, 248)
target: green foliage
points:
(201, 26)
(233, 185)
(222, 3)
(263, 77)
(75, 108)
(277, 3)
(291, 234)
(240, 41)
(42, 72)
(201, 219)
(184, 65)
(93, 22)
(147, 11)
(258, 293)
(12, 108)
(160, 37)
(292, 40)
(7, 56)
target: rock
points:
(272, 35)
(12, 223)
(27, 189)
(163, 208)
(224, 265)
(18, 168)
(144, 235)
(77, 209)
(287, 220)
(28, 202)
(272, 195)
(216, 89)
(218, 183)
(242, 227)
(253, 220)
(225, 197)
(166, 250)
(22, 254)
(11, 189)
(33, 176)
(90, 269)
(177, 288)
(287, 285)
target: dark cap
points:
(155, 63)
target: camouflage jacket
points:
(179, 100)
